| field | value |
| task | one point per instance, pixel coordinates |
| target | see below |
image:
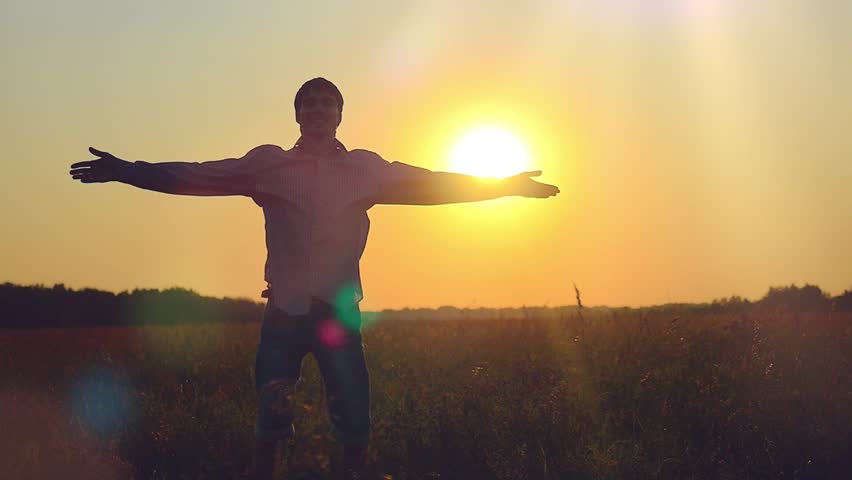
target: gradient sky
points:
(702, 147)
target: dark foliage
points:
(808, 298)
(39, 307)
(843, 302)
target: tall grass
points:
(598, 395)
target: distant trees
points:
(808, 298)
(58, 306)
(843, 302)
(734, 303)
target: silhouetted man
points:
(315, 198)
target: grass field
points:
(615, 395)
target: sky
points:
(702, 147)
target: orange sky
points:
(701, 147)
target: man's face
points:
(318, 113)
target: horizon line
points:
(521, 307)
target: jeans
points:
(284, 341)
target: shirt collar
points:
(338, 145)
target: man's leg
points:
(283, 345)
(274, 424)
(265, 459)
(347, 384)
(354, 458)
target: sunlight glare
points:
(489, 152)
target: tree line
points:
(39, 306)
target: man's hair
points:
(318, 83)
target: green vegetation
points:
(744, 391)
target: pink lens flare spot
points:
(331, 333)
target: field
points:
(542, 395)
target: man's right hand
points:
(106, 168)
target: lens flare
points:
(345, 309)
(102, 402)
(331, 333)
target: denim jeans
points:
(284, 341)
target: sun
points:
(489, 152)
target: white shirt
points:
(315, 207)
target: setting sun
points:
(489, 152)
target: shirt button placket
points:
(312, 199)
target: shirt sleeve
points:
(231, 176)
(394, 182)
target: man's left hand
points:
(523, 185)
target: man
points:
(315, 198)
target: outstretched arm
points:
(439, 188)
(233, 176)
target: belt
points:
(315, 301)
(318, 301)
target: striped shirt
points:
(315, 207)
